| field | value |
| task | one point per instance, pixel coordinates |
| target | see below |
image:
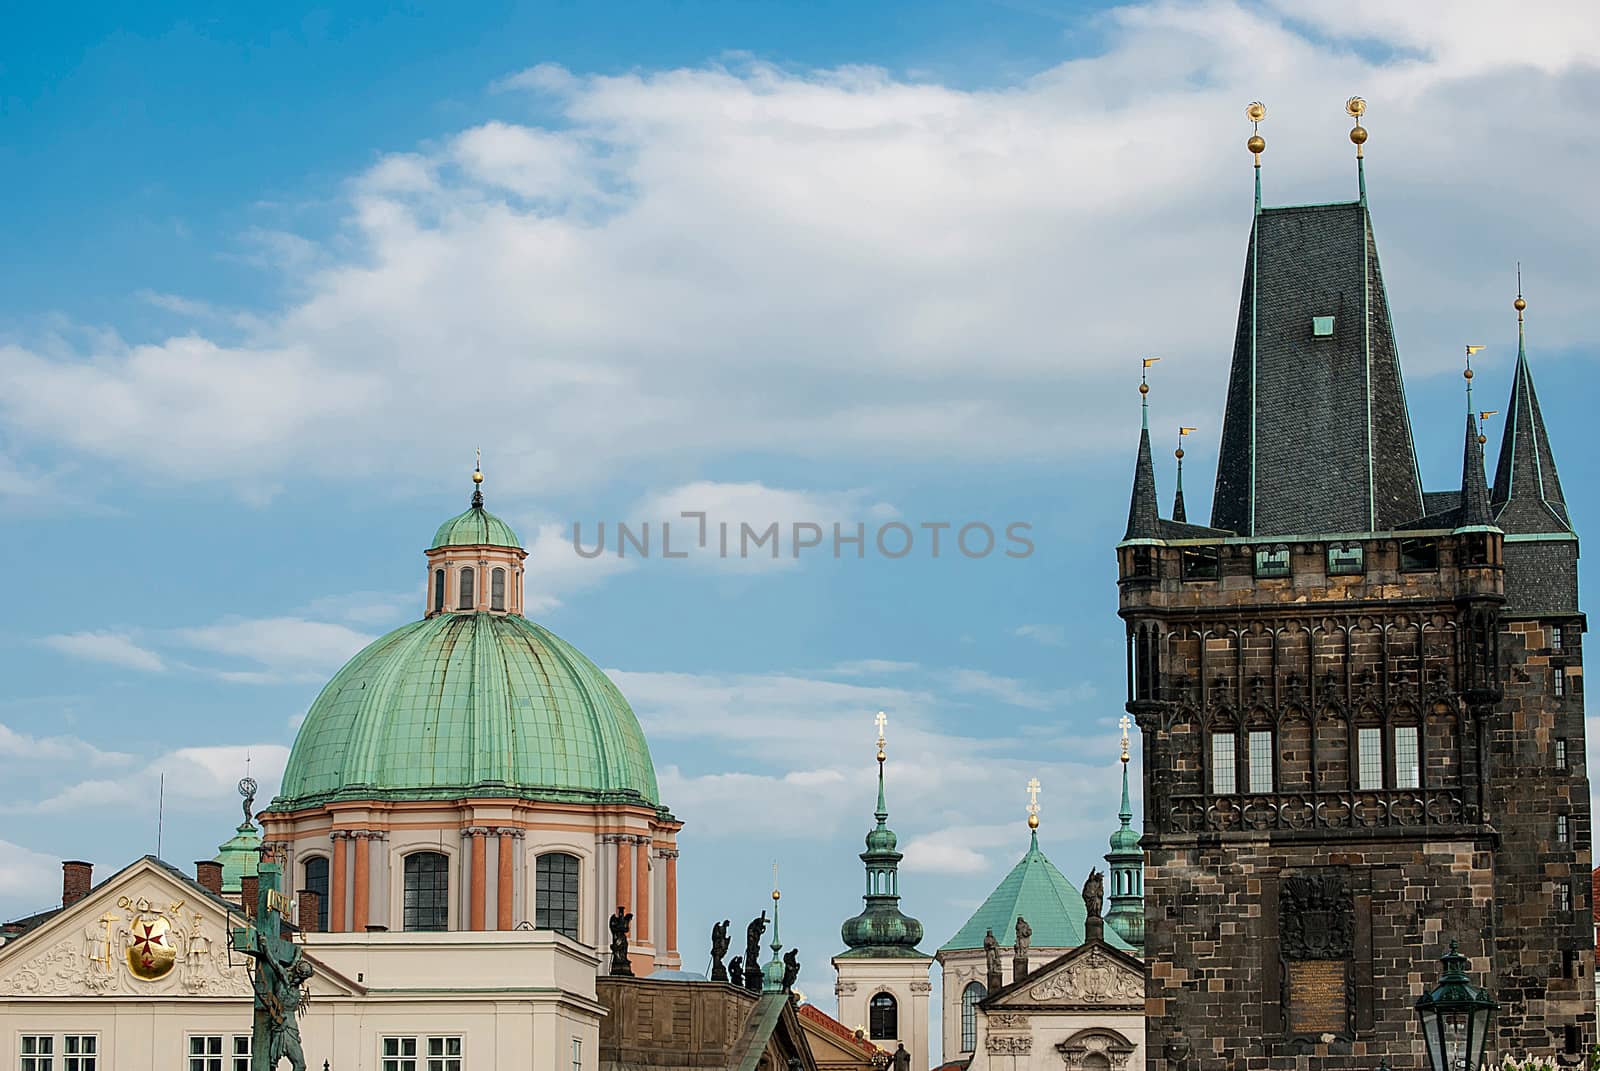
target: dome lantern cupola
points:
(881, 929)
(1126, 912)
(475, 562)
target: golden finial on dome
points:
(477, 467)
(1355, 108)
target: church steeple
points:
(1474, 491)
(1180, 514)
(1125, 913)
(881, 929)
(1527, 496)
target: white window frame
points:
(398, 1059)
(421, 1052)
(1555, 637)
(577, 1054)
(1407, 756)
(1563, 829)
(1560, 681)
(1224, 774)
(1563, 897)
(76, 1057)
(440, 1058)
(43, 1056)
(1369, 739)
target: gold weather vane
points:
(1467, 374)
(1355, 108)
(1257, 144)
(1125, 723)
(1033, 803)
(1482, 418)
(1178, 453)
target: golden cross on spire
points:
(1125, 723)
(1033, 803)
(880, 721)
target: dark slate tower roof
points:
(1316, 437)
(1474, 491)
(1527, 492)
(1144, 513)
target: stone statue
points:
(619, 923)
(752, 952)
(791, 968)
(901, 1060)
(735, 973)
(1094, 892)
(719, 948)
(1024, 935)
(991, 960)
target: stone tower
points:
(882, 977)
(1361, 701)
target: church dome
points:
(469, 704)
(474, 528)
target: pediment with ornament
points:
(1094, 976)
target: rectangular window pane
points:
(577, 1054)
(1407, 769)
(1555, 637)
(1561, 754)
(1270, 563)
(1561, 829)
(1563, 897)
(1369, 748)
(1561, 681)
(1346, 561)
(1260, 761)
(1222, 764)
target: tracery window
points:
(1260, 760)
(970, 996)
(427, 892)
(1407, 760)
(883, 1018)
(1369, 757)
(555, 896)
(1224, 780)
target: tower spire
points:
(1257, 144)
(1178, 511)
(772, 977)
(881, 928)
(1144, 513)
(477, 479)
(1474, 491)
(1527, 496)
(1126, 860)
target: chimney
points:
(307, 916)
(208, 872)
(249, 887)
(76, 879)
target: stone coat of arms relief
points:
(140, 947)
(1093, 978)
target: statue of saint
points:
(752, 951)
(791, 968)
(619, 923)
(1024, 935)
(991, 961)
(280, 989)
(736, 971)
(901, 1060)
(1094, 891)
(719, 948)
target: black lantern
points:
(1456, 1017)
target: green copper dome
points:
(239, 856)
(469, 704)
(882, 930)
(476, 527)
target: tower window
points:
(1260, 760)
(438, 590)
(556, 893)
(467, 592)
(317, 881)
(1419, 555)
(970, 997)
(1561, 755)
(427, 892)
(1563, 897)
(1271, 562)
(1348, 560)
(1407, 765)
(1369, 758)
(1562, 833)
(1200, 563)
(1560, 681)
(1322, 327)
(883, 1018)
(1555, 637)
(497, 590)
(1223, 772)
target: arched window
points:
(466, 589)
(427, 892)
(316, 880)
(970, 996)
(438, 590)
(497, 590)
(555, 897)
(883, 1018)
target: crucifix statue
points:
(279, 979)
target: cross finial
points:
(1033, 803)
(1125, 723)
(880, 721)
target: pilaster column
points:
(361, 900)
(624, 873)
(641, 879)
(480, 876)
(340, 839)
(504, 918)
(671, 857)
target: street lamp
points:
(1455, 1017)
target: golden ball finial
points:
(1482, 439)
(881, 755)
(1358, 134)
(1144, 388)
(1467, 374)
(1257, 144)
(477, 476)
(775, 895)
(1033, 821)
(1178, 453)
(1519, 304)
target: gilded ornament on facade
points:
(152, 949)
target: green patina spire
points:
(1125, 915)
(772, 976)
(881, 930)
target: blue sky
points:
(272, 278)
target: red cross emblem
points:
(146, 940)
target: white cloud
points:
(29, 880)
(871, 667)
(366, 607)
(836, 264)
(113, 648)
(956, 849)
(196, 779)
(15, 745)
(1046, 635)
(281, 648)
(554, 570)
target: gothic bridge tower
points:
(1361, 701)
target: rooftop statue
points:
(619, 923)
(719, 949)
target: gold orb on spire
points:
(1257, 144)
(1519, 304)
(477, 475)
(1033, 821)
(1355, 107)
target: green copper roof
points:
(462, 704)
(882, 930)
(1040, 893)
(476, 527)
(239, 856)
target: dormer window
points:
(1322, 327)
(1346, 560)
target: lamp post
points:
(1456, 1016)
